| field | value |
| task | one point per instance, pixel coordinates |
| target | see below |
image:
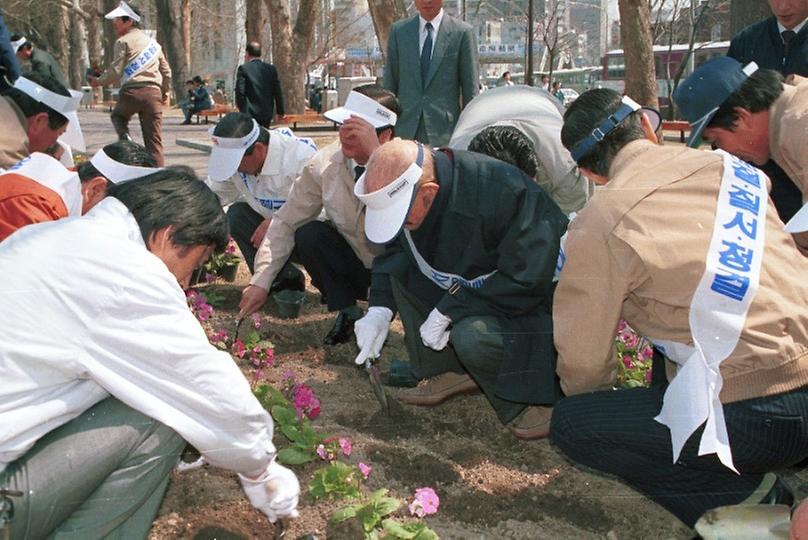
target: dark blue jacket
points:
(9, 68)
(258, 91)
(761, 43)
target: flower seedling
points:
(304, 438)
(634, 358)
(337, 480)
(373, 515)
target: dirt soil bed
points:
(490, 484)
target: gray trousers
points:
(101, 475)
(475, 347)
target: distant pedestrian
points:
(36, 60)
(258, 87)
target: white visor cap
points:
(387, 208)
(226, 154)
(364, 107)
(123, 10)
(798, 223)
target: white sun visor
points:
(64, 105)
(117, 172)
(387, 208)
(123, 10)
(47, 171)
(226, 154)
(364, 107)
(17, 44)
(798, 223)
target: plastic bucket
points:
(289, 303)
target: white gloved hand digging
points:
(275, 493)
(371, 332)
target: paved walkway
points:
(98, 131)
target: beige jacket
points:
(788, 133)
(126, 49)
(326, 183)
(14, 135)
(637, 251)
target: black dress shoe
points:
(342, 330)
(296, 282)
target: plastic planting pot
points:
(289, 303)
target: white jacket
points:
(109, 319)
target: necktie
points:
(426, 53)
(788, 36)
(358, 170)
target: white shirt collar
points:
(435, 25)
(796, 29)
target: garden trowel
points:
(376, 384)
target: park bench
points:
(218, 110)
(308, 117)
(676, 125)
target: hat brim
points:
(115, 13)
(798, 223)
(341, 114)
(223, 162)
(697, 129)
(381, 226)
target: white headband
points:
(57, 102)
(117, 172)
(123, 10)
(236, 142)
(19, 43)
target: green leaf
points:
(387, 505)
(344, 513)
(293, 456)
(284, 415)
(426, 534)
(396, 529)
(291, 432)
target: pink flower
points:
(425, 503)
(621, 326)
(321, 451)
(648, 375)
(345, 446)
(364, 469)
(256, 320)
(627, 361)
(305, 402)
(631, 340)
(645, 354)
(238, 348)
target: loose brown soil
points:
(490, 484)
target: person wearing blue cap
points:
(686, 247)
(750, 113)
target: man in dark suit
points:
(258, 89)
(779, 43)
(432, 67)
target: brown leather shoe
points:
(431, 392)
(533, 423)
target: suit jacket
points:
(450, 84)
(761, 43)
(258, 91)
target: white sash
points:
(142, 60)
(250, 185)
(718, 311)
(444, 280)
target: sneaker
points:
(533, 423)
(436, 390)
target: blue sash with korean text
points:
(718, 311)
(142, 60)
(444, 280)
(269, 204)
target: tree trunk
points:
(384, 14)
(254, 23)
(170, 38)
(742, 13)
(78, 55)
(94, 35)
(290, 49)
(109, 32)
(185, 10)
(635, 33)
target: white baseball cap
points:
(364, 107)
(227, 152)
(117, 172)
(17, 44)
(123, 10)
(387, 208)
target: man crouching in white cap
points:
(252, 170)
(472, 248)
(336, 253)
(40, 189)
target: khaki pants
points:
(146, 102)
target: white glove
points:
(274, 493)
(435, 330)
(371, 331)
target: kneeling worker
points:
(469, 264)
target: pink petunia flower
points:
(364, 469)
(628, 361)
(426, 502)
(239, 349)
(345, 446)
(321, 452)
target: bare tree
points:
(170, 37)
(635, 33)
(555, 38)
(384, 13)
(254, 21)
(742, 13)
(290, 48)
